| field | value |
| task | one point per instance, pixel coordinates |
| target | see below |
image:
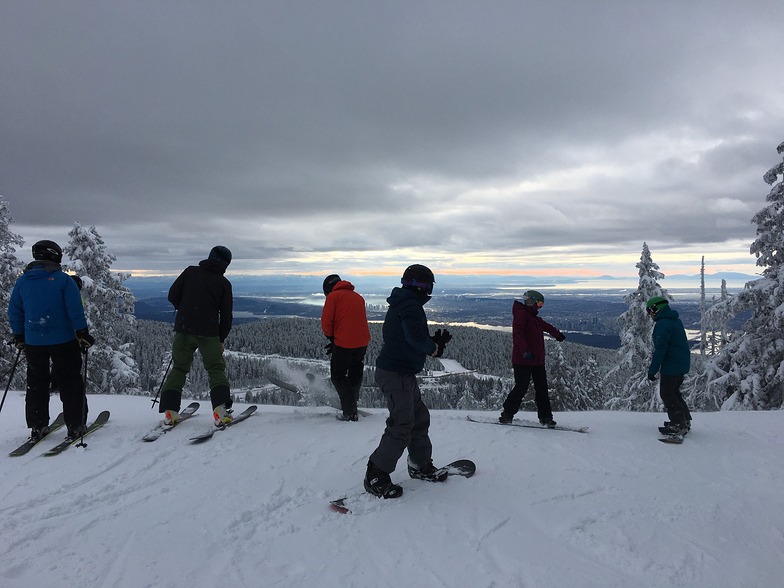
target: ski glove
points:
(652, 377)
(86, 340)
(328, 348)
(528, 356)
(18, 341)
(560, 338)
(441, 339)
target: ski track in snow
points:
(249, 507)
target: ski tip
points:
(339, 506)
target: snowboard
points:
(163, 428)
(525, 423)
(672, 439)
(343, 505)
(29, 444)
(99, 422)
(237, 419)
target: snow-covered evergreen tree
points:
(10, 268)
(749, 370)
(109, 308)
(636, 329)
(703, 331)
(717, 319)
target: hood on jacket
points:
(399, 294)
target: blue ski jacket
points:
(407, 341)
(671, 354)
(46, 305)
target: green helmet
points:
(534, 296)
(653, 304)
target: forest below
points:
(293, 349)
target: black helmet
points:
(47, 250)
(220, 254)
(418, 277)
(329, 283)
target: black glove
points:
(86, 340)
(561, 337)
(17, 341)
(652, 377)
(440, 339)
(528, 356)
(328, 348)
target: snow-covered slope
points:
(249, 508)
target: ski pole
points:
(10, 377)
(84, 404)
(166, 373)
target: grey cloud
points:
(171, 123)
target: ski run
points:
(611, 508)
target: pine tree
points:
(109, 309)
(717, 318)
(749, 371)
(10, 268)
(636, 332)
(703, 332)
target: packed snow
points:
(613, 507)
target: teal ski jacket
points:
(671, 354)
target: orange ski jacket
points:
(343, 318)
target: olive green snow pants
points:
(183, 348)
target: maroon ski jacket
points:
(528, 334)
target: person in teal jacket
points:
(672, 360)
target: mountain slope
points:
(248, 508)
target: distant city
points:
(586, 311)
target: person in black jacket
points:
(407, 343)
(202, 298)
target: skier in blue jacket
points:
(47, 320)
(672, 360)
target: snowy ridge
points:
(249, 507)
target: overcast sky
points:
(320, 136)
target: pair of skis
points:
(187, 413)
(58, 423)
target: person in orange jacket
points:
(344, 323)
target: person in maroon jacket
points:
(528, 358)
(344, 323)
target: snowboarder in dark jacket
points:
(672, 359)
(344, 323)
(47, 319)
(407, 343)
(203, 300)
(528, 357)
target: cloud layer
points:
(310, 136)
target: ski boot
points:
(222, 415)
(171, 417)
(38, 433)
(427, 472)
(379, 484)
